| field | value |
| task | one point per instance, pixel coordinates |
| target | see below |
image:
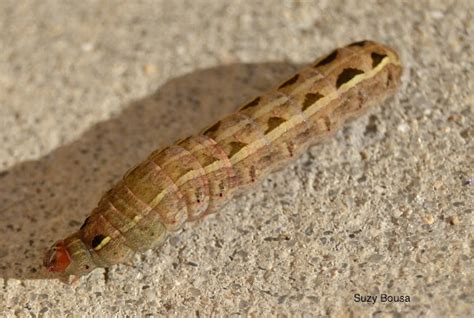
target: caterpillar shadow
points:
(46, 199)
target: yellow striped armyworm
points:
(194, 177)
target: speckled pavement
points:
(89, 88)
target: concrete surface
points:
(88, 88)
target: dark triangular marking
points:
(377, 58)
(97, 240)
(209, 160)
(85, 223)
(358, 43)
(252, 103)
(235, 147)
(274, 122)
(346, 75)
(290, 81)
(310, 99)
(328, 59)
(212, 128)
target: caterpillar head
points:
(69, 257)
(57, 258)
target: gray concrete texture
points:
(89, 88)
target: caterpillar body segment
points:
(196, 176)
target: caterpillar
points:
(197, 175)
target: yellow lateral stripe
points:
(104, 242)
(274, 134)
(295, 120)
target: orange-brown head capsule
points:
(57, 258)
(69, 257)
